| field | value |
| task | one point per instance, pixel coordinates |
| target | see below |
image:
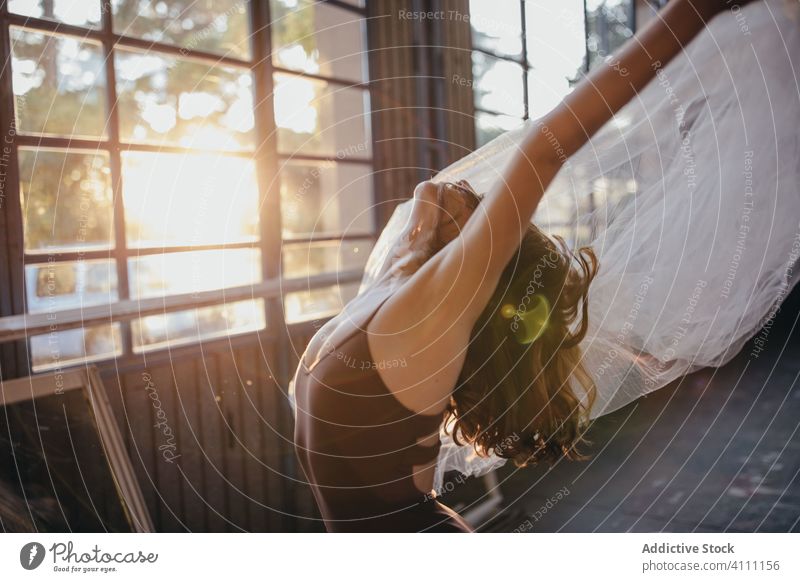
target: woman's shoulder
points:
(431, 353)
(354, 317)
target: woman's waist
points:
(370, 498)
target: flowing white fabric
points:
(690, 197)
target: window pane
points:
(318, 303)
(192, 272)
(497, 26)
(66, 200)
(498, 85)
(488, 127)
(165, 100)
(556, 51)
(194, 325)
(188, 199)
(609, 25)
(59, 84)
(81, 13)
(220, 26)
(51, 287)
(314, 117)
(304, 260)
(75, 346)
(326, 198)
(317, 38)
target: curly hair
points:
(517, 399)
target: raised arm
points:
(490, 238)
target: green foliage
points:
(66, 198)
(293, 23)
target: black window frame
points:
(265, 154)
(523, 61)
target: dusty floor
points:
(717, 451)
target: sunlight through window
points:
(164, 194)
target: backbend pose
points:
(476, 319)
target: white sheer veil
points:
(690, 197)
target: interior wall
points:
(422, 119)
(208, 437)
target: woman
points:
(477, 319)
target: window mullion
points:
(324, 78)
(525, 68)
(129, 42)
(120, 242)
(349, 7)
(14, 358)
(266, 156)
(270, 220)
(93, 144)
(586, 37)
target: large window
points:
(141, 128)
(325, 148)
(527, 54)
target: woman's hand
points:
(426, 208)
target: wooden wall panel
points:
(191, 458)
(397, 123)
(214, 444)
(422, 119)
(308, 518)
(168, 474)
(453, 95)
(274, 448)
(232, 428)
(250, 440)
(231, 405)
(139, 435)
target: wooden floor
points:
(718, 451)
